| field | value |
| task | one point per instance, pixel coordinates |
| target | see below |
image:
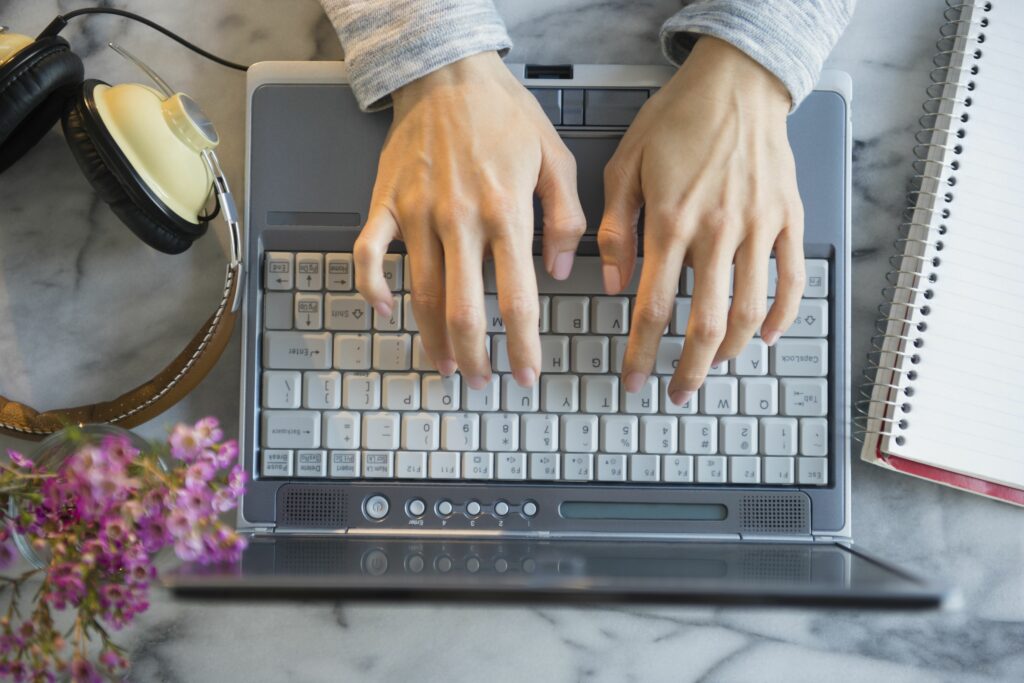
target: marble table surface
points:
(85, 311)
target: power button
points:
(376, 507)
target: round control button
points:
(501, 508)
(444, 508)
(473, 508)
(529, 508)
(414, 564)
(444, 564)
(417, 507)
(375, 562)
(376, 507)
(473, 565)
(501, 565)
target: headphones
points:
(148, 153)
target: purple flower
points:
(20, 460)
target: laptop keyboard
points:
(348, 394)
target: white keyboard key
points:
(670, 408)
(281, 389)
(500, 431)
(420, 361)
(590, 355)
(610, 314)
(312, 464)
(297, 350)
(499, 354)
(309, 314)
(719, 370)
(277, 311)
(401, 392)
(554, 353)
(411, 465)
(544, 466)
(392, 352)
(484, 399)
(643, 401)
(719, 396)
(759, 396)
(344, 464)
(392, 323)
(659, 434)
(813, 436)
(700, 434)
(279, 268)
(570, 314)
(519, 399)
(739, 435)
(619, 433)
(441, 393)
(321, 390)
(777, 470)
(579, 433)
(378, 464)
(745, 470)
(346, 313)
(804, 397)
(421, 431)
(670, 350)
(681, 315)
(290, 429)
(711, 469)
(817, 279)
(560, 393)
(511, 466)
(611, 467)
(677, 468)
(340, 273)
(539, 433)
(544, 325)
(811, 320)
(618, 353)
(380, 431)
(812, 471)
(408, 315)
(445, 465)
(492, 312)
(586, 277)
(800, 358)
(341, 430)
(276, 462)
(478, 465)
(360, 391)
(578, 466)
(600, 393)
(778, 436)
(460, 431)
(393, 271)
(753, 359)
(644, 468)
(309, 271)
(352, 352)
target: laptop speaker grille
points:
(312, 507)
(774, 514)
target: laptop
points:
(374, 477)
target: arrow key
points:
(309, 271)
(309, 311)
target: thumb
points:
(616, 237)
(371, 245)
(564, 222)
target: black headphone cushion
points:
(34, 88)
(146, 222)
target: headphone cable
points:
(61, 21)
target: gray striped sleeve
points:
(389, 43)
(790, 38)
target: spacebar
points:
(586, 278)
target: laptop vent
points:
(311, 507)
(775, 514)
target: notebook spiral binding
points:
(896, 348)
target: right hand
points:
(468, 147)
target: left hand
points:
(709, 160)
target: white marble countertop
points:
(86, 310)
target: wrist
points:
(466, 71)
(725, 69)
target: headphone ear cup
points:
(34, 88)
(121, 190)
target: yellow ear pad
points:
(11, 44)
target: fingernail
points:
(446, 367)
(562, 266)
(383, 309)
(680, 396)
(635, 381)
(771, 337)
(525, 377)
(612, 279)
(476, 382)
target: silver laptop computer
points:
(373, 476)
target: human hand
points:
(467, 148)
(709, 160)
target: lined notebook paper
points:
(948, 399)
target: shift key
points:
(297, 350)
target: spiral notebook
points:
(947, 401)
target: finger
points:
(749, 300)
(564, 222)
(789, 259)
(517, 301)
(464, 309)
(371, 245)
(616, 237)
(426, 260)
